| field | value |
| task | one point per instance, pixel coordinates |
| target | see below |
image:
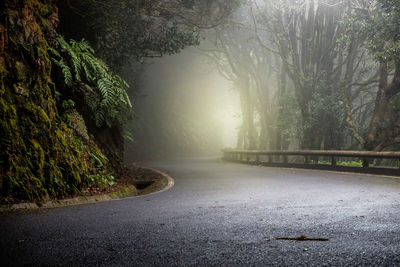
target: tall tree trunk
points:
(247, 112)
(384, 129)
(280, 138)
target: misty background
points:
(275, 75)
(184, 108)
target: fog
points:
(184, 107)
(274, 75)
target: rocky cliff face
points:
(40, 154)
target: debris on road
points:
(303, 238)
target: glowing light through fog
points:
(228, 121)
(186, 86)
(221, 102)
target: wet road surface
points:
(220, 214)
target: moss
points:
(44, 9)
(2, 86)
(20, 71)
(40, 155)
(61, 138)
(125, 192)
(27, 49)
(55, 182)
(20, 177)
(38, 113)
(78, 143)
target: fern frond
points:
(127, 135)
(99, 119)
(86, 70)
(85, 47)
(121, 82)
(106, 92)
(54, 52)
(65, 70)
(103, 87)
(76, 63)
(126, 99)
(63, 44)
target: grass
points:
(352, 163)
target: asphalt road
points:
(219, 214)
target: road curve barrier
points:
(384, 162)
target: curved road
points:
(219, 214)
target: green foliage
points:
(97, 160)
(352, 163)
(105, 91)
(40, 156)
(142, 28)
(65, 70)
(288, 120)
(68, 104)
(98, 180)
(324, 106)
(379, 20)
(326, 117)
(127, 135)
(78, 143)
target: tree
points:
(125, 29)
(235, 50)
(382, 26)
(306, 36)
(231, 54)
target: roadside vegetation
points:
(313, 74)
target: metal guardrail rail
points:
(279, 158)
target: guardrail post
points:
(285, 159)
(306, 159)
(333, 161)
(257, 159)
(269, 159)
(365, 162)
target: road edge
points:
(125, 193)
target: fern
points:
(126, 134)
(106, 92)
(65, 70)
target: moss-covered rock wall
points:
(40, 155)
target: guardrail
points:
(280, 158)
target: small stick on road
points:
(303, 238)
